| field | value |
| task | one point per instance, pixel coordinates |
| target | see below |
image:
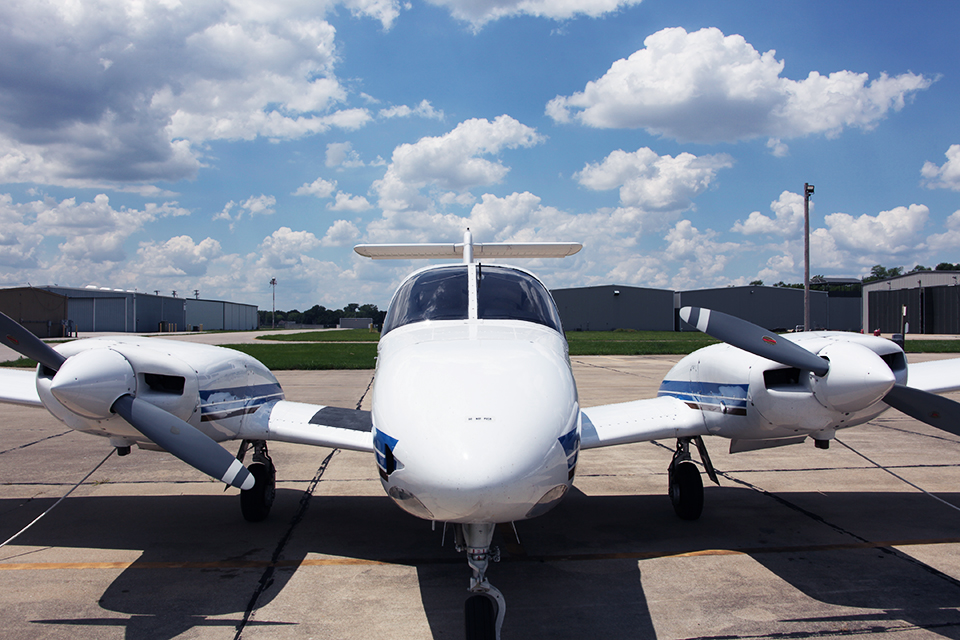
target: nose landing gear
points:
(485, 606)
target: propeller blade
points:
(184, 441)
(936, 411)
(28, 345)
(753, 339)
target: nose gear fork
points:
(484, 609)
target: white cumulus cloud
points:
(889, 233)
(124, 93)
(347, 202)
(453, 161)
(787, 220)
(480, 12)
(178, 256)
(653, 182)
(319, 188)
(708, 87)
(946, 176)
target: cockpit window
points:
(437, 294)
(508, 294)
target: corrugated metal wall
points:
(929, 310)
(215, 315)
(41, 312)
(99, 314)
(599, 309)
(205, 313)
(774, 308)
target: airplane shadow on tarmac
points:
(574, 574)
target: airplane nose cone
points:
(857, 378)
(479, 437)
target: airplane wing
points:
(19, 386)
(312, 424)
(936, 376)
(639, 421)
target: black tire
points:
(255, 503)
(480, 616)
(686, 490)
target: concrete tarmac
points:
(795, 543)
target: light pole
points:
(807, 192)
(273, 322)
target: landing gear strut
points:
(255, 503)
(485, 606)
(685, 485)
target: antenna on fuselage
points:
(467, 247)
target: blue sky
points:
(212, 146)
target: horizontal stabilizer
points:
(451, 251)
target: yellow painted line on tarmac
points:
(326, 562)
(221, 564)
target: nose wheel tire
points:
(480, 616)
(686, 490)
(255, 503)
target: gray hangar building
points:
(776, 308)
(931, 300)
(53, 311)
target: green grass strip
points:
(361, 353)
(280, 357)
(340, 335)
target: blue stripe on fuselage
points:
(219, 404)
(708, 396)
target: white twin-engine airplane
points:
(475, 418)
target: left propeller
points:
(99, 382)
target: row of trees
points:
(320, 315)
(877, 272)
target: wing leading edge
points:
(935, 376)
(311, 424)
(639, 421)
(18, 386)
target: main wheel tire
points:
(255, 503)
(480, 617)
(686, 490)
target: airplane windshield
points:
(508, 294)
(437, 294)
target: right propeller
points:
(927, 407)
(97, 383)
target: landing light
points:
(409, 503)
(548, 501)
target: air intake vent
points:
(160, 383)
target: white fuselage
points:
(475, 420)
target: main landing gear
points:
(485, 606)
(685, 485)
(255, 503)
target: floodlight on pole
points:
(807, 192)
(273, 322)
